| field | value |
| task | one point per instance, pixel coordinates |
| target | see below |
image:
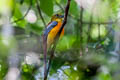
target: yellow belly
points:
(52, 34)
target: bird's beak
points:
(62, 16)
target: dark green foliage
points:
(47, 6)
(87, 51)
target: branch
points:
(24, 14)
(60, 6)
(81, 31)
(44, 38)
(101, 46)
(40, 14)
(89, 28)
(112, 22)
(57, 38)
(85, 22)
(99, 37)
(65, 17)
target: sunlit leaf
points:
(65, 43)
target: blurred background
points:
(89, 49)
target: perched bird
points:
(53, 28)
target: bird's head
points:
(57, 17)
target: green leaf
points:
(18, 15)
(6, 45)
(103, 76)
(47, 6)
(58, 1)
(56, 64)
(65, 43)
(74, 8)
(3, 68)
(17, 12)
(36, 29)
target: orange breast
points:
(52, 34)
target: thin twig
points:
(43, 37)
(59, 5)
(112, 22)
(57, 38)
(89, 28)
(85, 22)
(101, 40)
(81, 31)
(24, 14)
(40, 13)
(65, 17)
(99, 37)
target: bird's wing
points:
(50, 27)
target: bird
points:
(53, 28)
